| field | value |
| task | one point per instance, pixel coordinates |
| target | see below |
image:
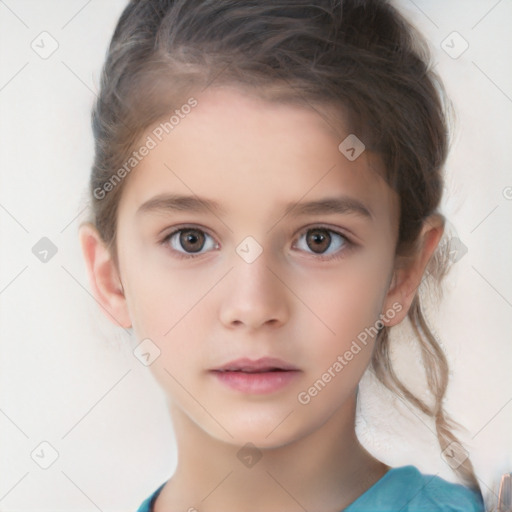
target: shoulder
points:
(407, 489)
(432, 490)
(147, 504)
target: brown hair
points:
(361, 56)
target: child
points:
(265, 191)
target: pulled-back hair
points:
(360, 57)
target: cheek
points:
(346, 299)
(172, 309)
(347, 302)
(167, 311)
(158, 297)
(163, 307)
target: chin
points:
(268, 433)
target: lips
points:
(256, 377)
(265, 364)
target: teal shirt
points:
(402, 489)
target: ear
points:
(103, 276)
(409, 272)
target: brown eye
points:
(318, 240)
(192, 240)
(322, 241)
(189, 242)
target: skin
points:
(254, 157)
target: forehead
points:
(249, 154)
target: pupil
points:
(192, 240)
(321, 240)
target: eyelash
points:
(348, 244)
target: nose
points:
(254, 296)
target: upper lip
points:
(256, 365)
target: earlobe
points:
(103, 276)
(408, 275)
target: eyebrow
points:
(165, 203)
(331, 205)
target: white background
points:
(69, 378)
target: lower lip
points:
(256, 383)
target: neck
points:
(324, 470)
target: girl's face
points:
(286, 251)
